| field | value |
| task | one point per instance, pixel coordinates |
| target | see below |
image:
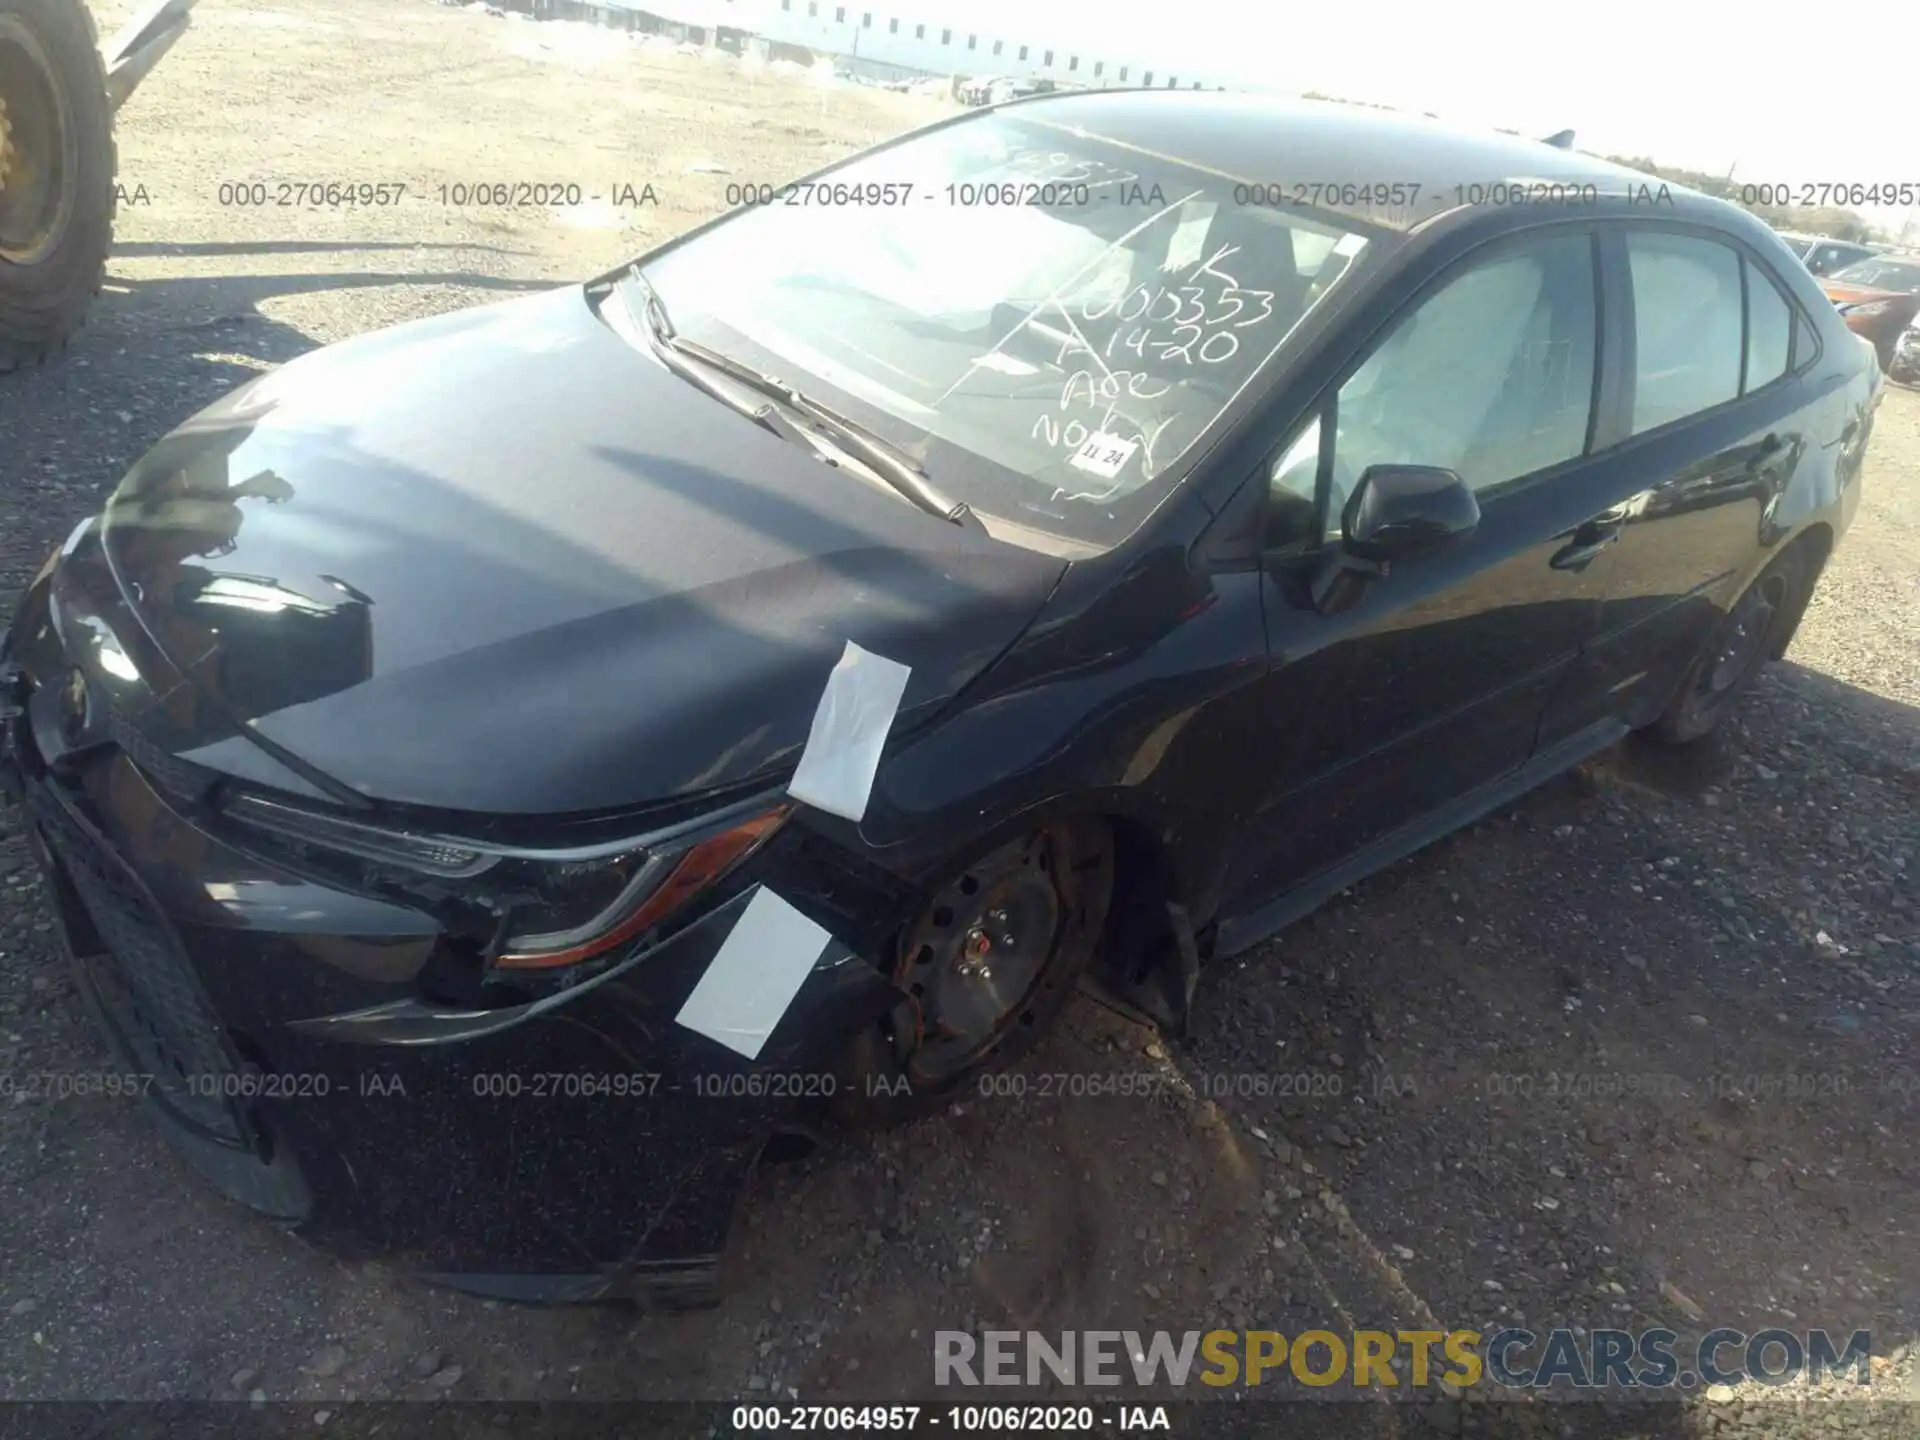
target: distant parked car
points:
(999, 90)
(1906, 356)
(1823, 255)
(1878, 298)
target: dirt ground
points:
(1643, 1048)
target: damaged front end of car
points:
(460, 1052)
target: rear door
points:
(1435, 681)
(1715, 422)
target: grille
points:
(146, 984)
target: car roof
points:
(1257, 138)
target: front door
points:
(1434, 682)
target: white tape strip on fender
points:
(759, 969)
(850, 729)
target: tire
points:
(996, 905)
(57, 185)
(1738, 646)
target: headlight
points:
(560, 906)
(1867, 307)
(427, 854)
(660, 882)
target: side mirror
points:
(1396, 512)
(1401, 512)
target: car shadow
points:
(1638, 1038)
(1865, 718)
(1876, 729)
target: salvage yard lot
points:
(1642, 1049)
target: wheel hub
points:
(975, 958)
(39, 157)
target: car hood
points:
(504, 562)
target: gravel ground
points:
(1555, 1064)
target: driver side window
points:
(1491, 377)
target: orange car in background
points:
(1878, 298)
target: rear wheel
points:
(56, 174)
(987, 966)
(1738, 647)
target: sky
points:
(1768, 89)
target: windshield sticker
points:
(1104, 455)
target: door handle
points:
(1587, 543)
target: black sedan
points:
(499, 775)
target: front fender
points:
(1145, 728)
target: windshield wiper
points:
(876, 454)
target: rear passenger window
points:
(1687, 318)
(1769, 330)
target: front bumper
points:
(584, 1147)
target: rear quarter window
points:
(1806, 344)
(1769, 330)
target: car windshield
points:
(1880, 275)
(1046, 322)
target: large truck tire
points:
(56, 175)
